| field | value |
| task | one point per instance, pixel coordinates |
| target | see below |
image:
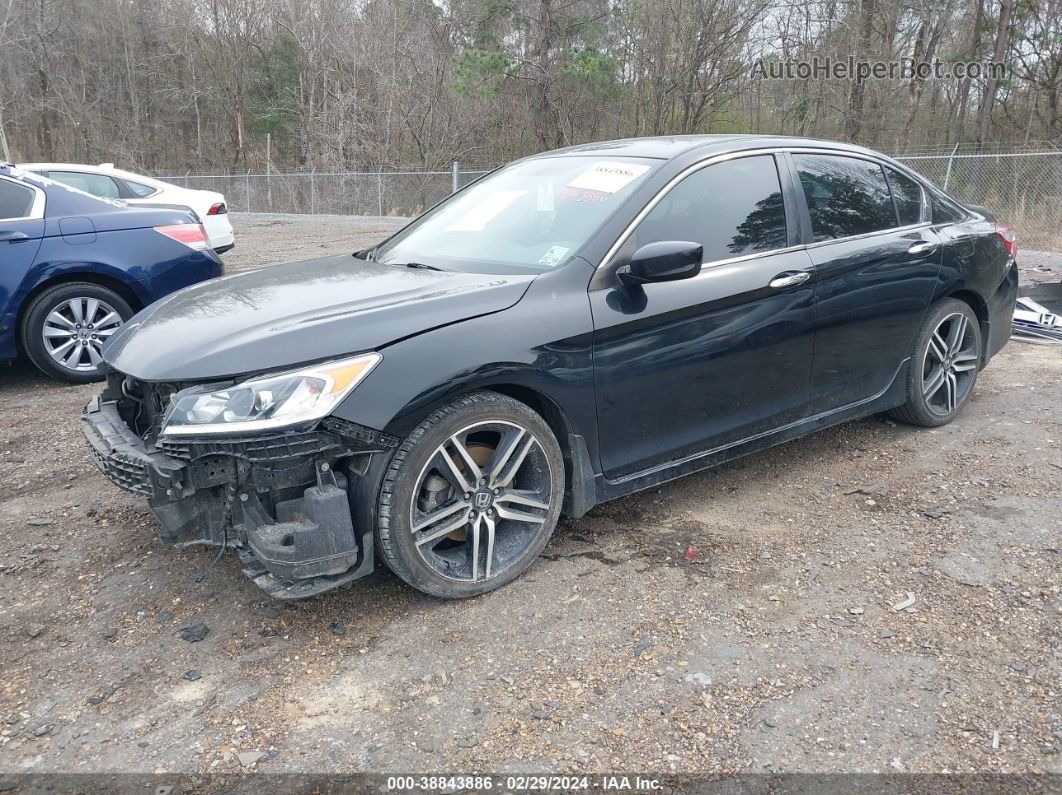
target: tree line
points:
(234, 85)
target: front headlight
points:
(273, 401)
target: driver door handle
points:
(789, 279)
(12, 236)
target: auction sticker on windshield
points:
(608, 177)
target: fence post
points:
(247, 191)
(951, 157)
(379, 193)
(454, 178)
(313, 190)
(5, 153)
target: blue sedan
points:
(74, 268)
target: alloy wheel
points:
(949, 366)
(481, 500)
(75, 330)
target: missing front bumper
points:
(282, 499)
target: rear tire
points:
(52, 322)
(470, 497)
(944, 365)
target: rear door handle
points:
(920, 249)
(789, 279)
(11, 236)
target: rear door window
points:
(16, 201)
(846, 196)
(732, 209)
(96, 184)
(907, 194)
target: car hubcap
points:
(481, 501)
(950, 364)
(74, 332)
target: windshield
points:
(530, 217)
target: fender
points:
(541, 344)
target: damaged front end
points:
(283, 498)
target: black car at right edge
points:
(570, 328)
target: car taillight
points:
(1009, 237)
(217, 209)
(192, 235)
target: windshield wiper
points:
(419, 266)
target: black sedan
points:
(570, 328)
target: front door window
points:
(732, 209)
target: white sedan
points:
(112, 183)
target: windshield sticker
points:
(579, 195)
(552, 257)
(485, 211)
(608, 177)
(545, 197)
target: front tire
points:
(65, 327)
(470, 497)
(944, 367)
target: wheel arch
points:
(579, 489)
(99, 279)
(980, 309)
(541, 404)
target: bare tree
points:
(203, 84)
(984, 120)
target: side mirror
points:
(665, 261)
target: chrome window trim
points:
(713, 159)
(718, 263)
(878, 233)
(39, 200)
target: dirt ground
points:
(781, 646)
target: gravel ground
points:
(777, 647)
(266, 239)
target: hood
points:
(299, 312)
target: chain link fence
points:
(404, 193)
(1023, 189)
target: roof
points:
(106, 169)
(665, 147)
(102, 168)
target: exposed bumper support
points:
(281, 499)
(311, 547)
